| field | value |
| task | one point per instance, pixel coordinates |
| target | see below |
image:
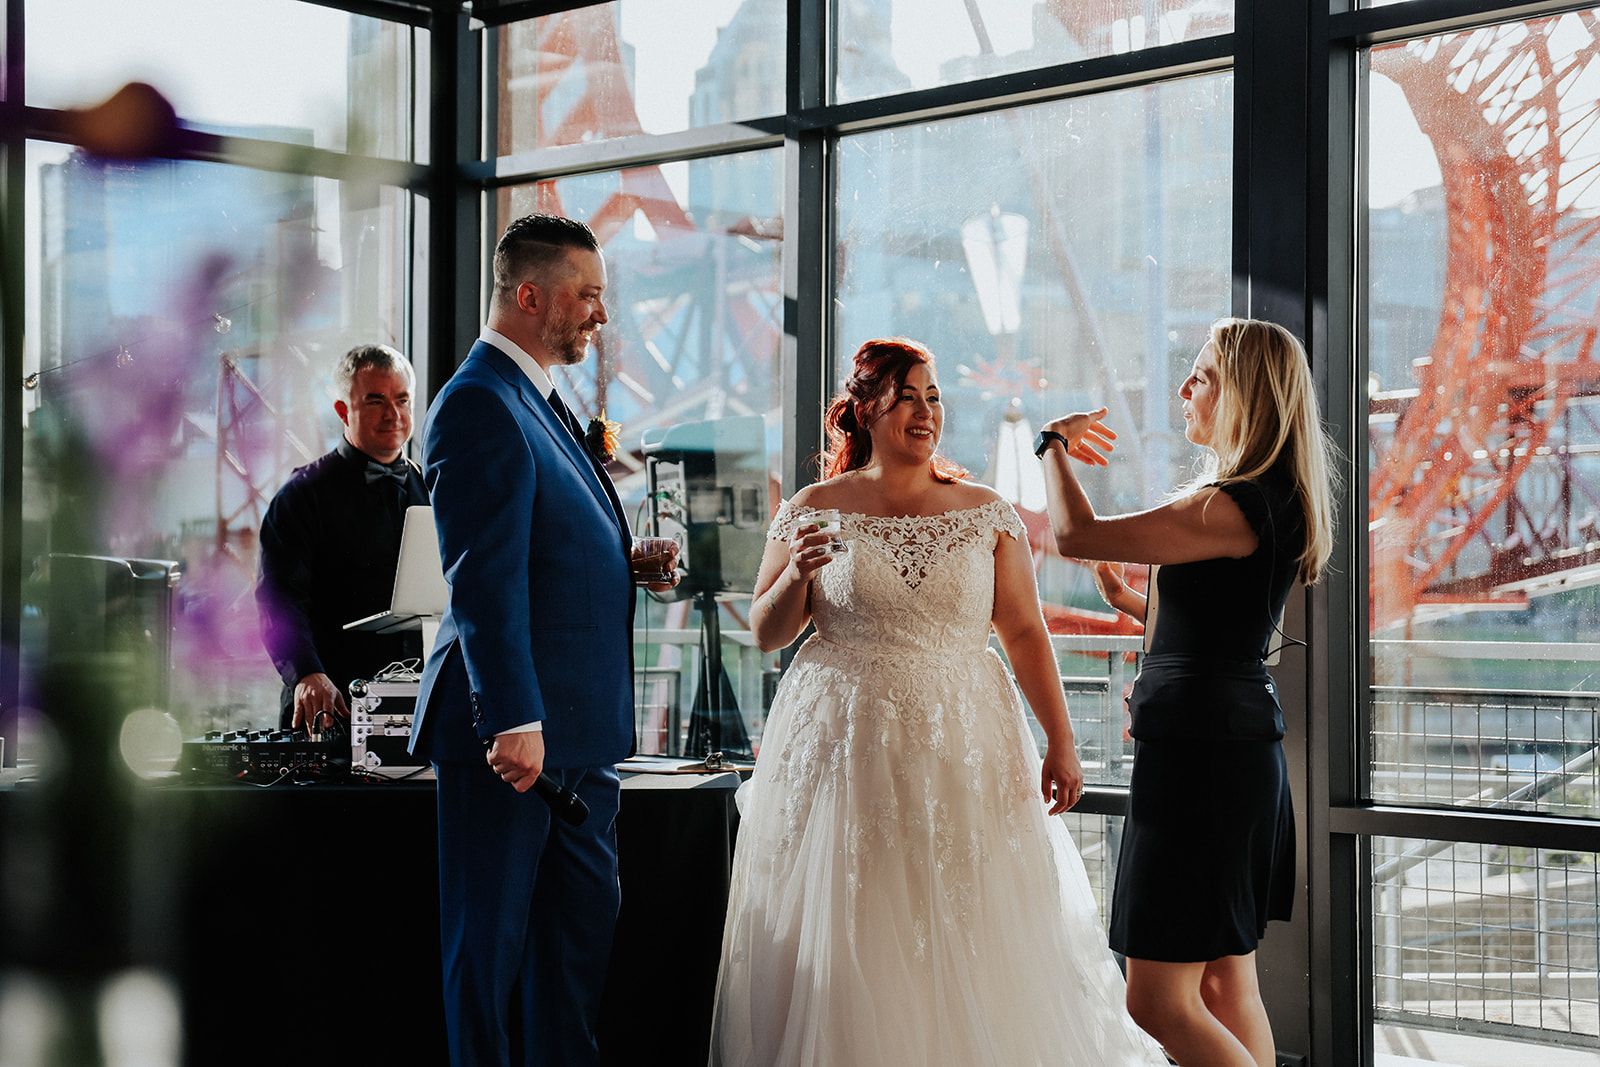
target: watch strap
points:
(1042, 442)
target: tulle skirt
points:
(899, 894)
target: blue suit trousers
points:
(529, 905)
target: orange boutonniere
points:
(601, 437)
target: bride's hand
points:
(1061, 778)
(1088, 439)
(809, 552)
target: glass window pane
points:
(639, 66)
(274, 69)
(918, 44)
(1483, 417)
(1085, 272)
(688, 366)
(1483, 953)
(182, 323)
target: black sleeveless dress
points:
(1207, 854)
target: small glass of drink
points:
(828, 521)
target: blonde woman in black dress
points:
(1208, 845)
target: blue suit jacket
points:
(535, 548)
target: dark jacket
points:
(329, 544)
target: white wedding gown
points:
(899, 894)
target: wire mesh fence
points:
(1486, 939)
(1514, 751)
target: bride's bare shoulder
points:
(971, 495)
(840, 491)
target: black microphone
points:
(564, 803)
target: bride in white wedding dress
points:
(902, 892)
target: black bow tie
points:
(398, 470)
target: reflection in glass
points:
(274, 69)
(693, 255)
(1493, 940)
(1085, 270)
(639, 66)
(1483, 416)
(182, 324)
(917, 44)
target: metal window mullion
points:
(1511, 829)
(1342, 896)
(57, 126)
(808, 252)
(13, 293)
(1097, 74)
(808, 288)
(454, 238)
(639, 150)
(420, 15)
(1425, 18)
(409, 339)
(500, 12)
(1273, 242)
(481, 169)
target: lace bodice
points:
(909, 584)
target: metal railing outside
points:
(1486, 939)
(1486, 747)
(1096, 673)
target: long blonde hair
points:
(1267, 410)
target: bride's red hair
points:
(877, 374)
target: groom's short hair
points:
(533, 247)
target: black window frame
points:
(1298, 248)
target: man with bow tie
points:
(330, 543)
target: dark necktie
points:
(564, 413)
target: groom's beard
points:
(567, 340)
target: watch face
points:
(1040, 443)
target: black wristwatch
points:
(1042, 442)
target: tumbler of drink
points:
(655, 560)
(829, 522)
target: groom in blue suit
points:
(532, 671)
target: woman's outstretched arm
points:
(1202, 525)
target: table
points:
(302, 922)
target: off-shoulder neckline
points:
(900, 518)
